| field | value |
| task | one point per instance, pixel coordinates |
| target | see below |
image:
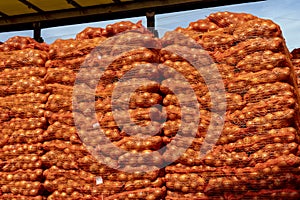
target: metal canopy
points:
(18, 15)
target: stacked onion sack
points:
(256, 155)
(73, 172)
(63, 148)
(23, 96)
(296, 63)
(130, 167)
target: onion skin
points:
(247, 47)
(71, 48)
(9, 76)
(29, 84)
(61, 130)
(61, 117)
(262, 108)
(61, 75)
(225, 19)
(25, 57)
(215, 179)
(20, 42)
(259, 28)
(248, 143)
(59, 102)
(147, 193)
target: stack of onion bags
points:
(296, 62)
(129, 58)
(256, 155)
(72, 172)
(207, 112)
(63, 147)
(23, 96)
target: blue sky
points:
(283, 12)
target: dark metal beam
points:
(2, 14)
(74, 3)
(150, 15)
(107, 12)
(37, 32)
(30, 5)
